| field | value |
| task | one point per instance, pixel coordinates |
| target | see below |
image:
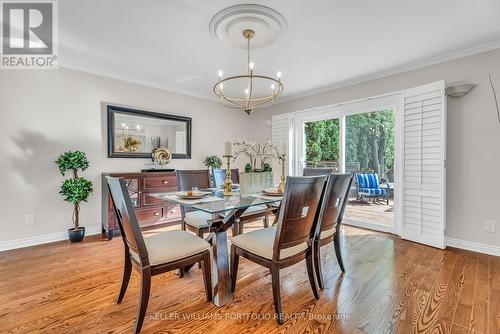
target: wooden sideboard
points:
(149, 210)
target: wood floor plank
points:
(494, 301)
(390, 286)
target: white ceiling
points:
(167, 44)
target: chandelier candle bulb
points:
(228, 149)
(220, 74)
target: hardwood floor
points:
(390, 286)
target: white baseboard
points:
(473, 246)
(43, 239)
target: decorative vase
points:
(255, 182)
(76, 235)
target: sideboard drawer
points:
(160, 182)
(149, 215)
(173, 213)
(149, 199)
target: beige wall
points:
(473, 137)
(44, 113)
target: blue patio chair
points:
(368, 185)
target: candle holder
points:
(281, 186)
(228, 184)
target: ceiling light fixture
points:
(249, 100)
(459, 90)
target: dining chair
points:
(154, 254)
(331, 214)
(219, 176)
(309, 171)
(195, 221)
(290, 241)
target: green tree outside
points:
(369, 142)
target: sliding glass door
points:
(356, 142)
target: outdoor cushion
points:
(261, 242)
(367, 180)
(372, 191)
(168, 246)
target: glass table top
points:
(216, 202)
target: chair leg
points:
(266, 221)
(183, 225)
(240, 227)
(317, 265)
(199, 232)
(235, 260)
(336, 243)
(207, 275)
(143, 304)
(127, 269)
(275, 280)
(312, 274)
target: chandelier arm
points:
(236, 102)
(258, 76)
(243, 101)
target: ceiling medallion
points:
(227, 25)
(237, 26)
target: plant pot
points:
(76, 235)
(253, 183)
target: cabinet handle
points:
(165, 182)
(157, 213)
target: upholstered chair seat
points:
(261, 243)
(170, 246)
(197, 219)
(327, 233)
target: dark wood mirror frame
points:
(113, 110)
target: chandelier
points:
(249, 99)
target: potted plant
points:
(212, 162)
(258, 172)
(75, 189)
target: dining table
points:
(226, 211)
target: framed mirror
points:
(136, 133)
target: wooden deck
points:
(391, 286)
(369, 212)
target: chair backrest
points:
(298, 212)
(367, 180)
(220, 177)
(187, 179)
(127, 220)
(335, 200)
(317, 171)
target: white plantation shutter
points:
(424, 169)
(282, 133)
